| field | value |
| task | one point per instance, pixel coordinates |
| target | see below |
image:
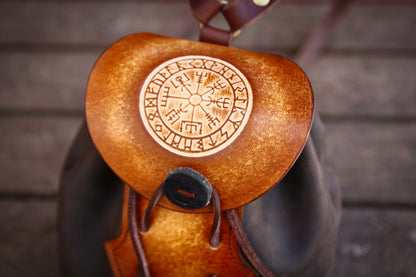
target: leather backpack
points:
(198, 159)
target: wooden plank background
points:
(365, 89)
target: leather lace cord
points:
(145, 220)
(143, 270)
(237, 13)
(245, 245)
(232, 216)
(215, 230)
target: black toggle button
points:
(187, 188)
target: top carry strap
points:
(238, 14)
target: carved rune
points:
(198, 100)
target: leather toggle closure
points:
(187, 188)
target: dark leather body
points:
(292, 227)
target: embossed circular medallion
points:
(195, 106)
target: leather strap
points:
(238, 14)
(205, 10)
(241, 13)
(215, 35)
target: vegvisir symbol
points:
(187, 104)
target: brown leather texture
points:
(176, 244)
(237, 13)
(257, 159)
(241, 13)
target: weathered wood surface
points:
(378, 243)
(32, 153)
(362, 153)
(375, 161)
(44, 81)
(364, 86)
(338, 81)
(365, 26)
(29, 238)
(370, 241)
(87, 23)
(365, 90)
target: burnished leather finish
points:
(292, 228)
(177, 244)
(273, 137)
(158, 105)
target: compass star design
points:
(195, 105)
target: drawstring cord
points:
(143, 270)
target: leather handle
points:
(205, 10)
(238, 14)
(241, 13)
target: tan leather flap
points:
(239, 118)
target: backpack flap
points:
(239, 118)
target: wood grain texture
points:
(32, 153)
(88, 23)
(362, 153)
(356, 85)
(48, 46)
(28, 245)
(44, 81)
(372, 27)
(363, 27)
(375, 162)
(376, 243)
(74, 23)
(57, 81)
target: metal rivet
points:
(261, 3)
(236, 33)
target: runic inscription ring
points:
(195, 106)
